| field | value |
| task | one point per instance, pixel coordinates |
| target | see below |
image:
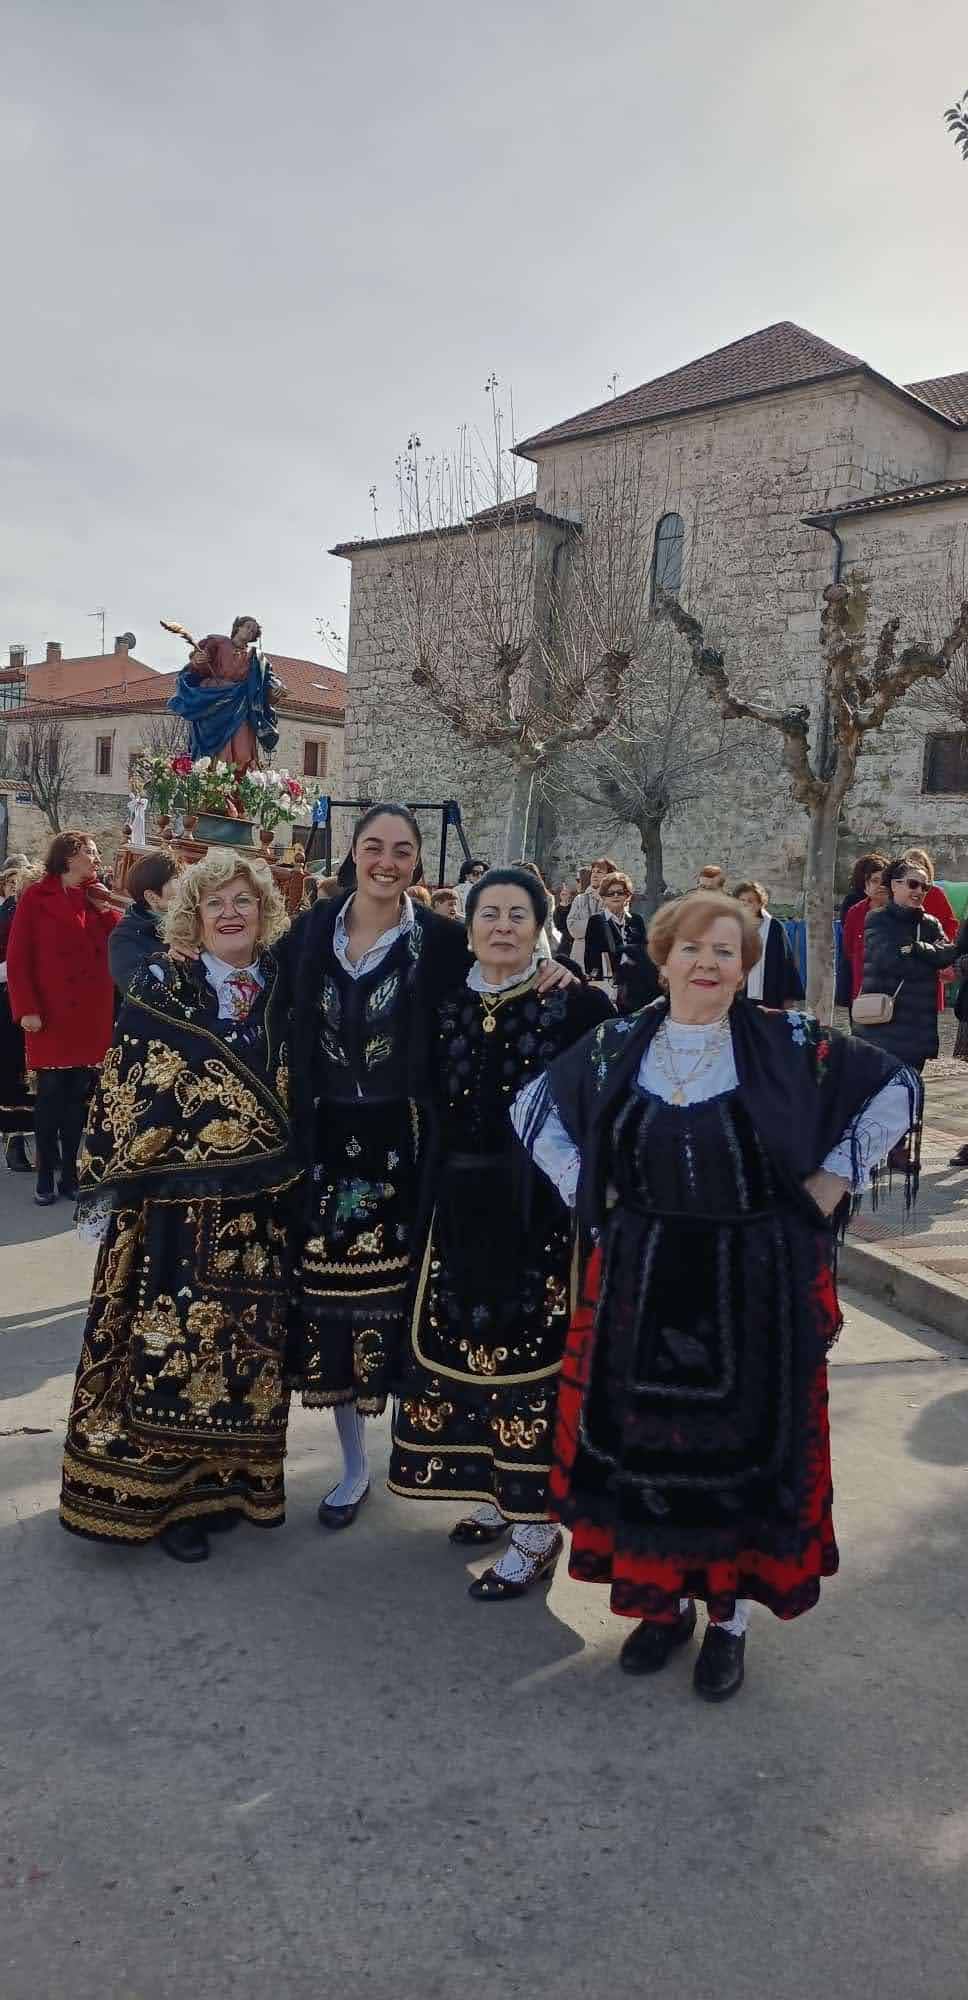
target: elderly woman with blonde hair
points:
(178, 1420)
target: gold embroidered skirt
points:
(353, 1276)
(179, 1409)
(476, 1417)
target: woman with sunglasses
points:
(903, 951)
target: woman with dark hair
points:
(470, 872)
(366, 973)
(151, 886)
(709, 1143)
(775, 979)
(492, 1301)
(876, 897)
(904, 950)
(862, 868)
(62, 993)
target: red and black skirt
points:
(692, 1446)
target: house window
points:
(314, 758)
(670, 536)
(946, 764)
(102, 756)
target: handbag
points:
(874, 1010)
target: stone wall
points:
(742, 478)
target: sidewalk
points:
(919, 1262)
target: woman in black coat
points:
(775, 980)
(903, 952)
(615, 948)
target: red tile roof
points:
(518, 511)
(921, 495)
(63, 680)
(779, 357)
(947, 393)
(308, 687)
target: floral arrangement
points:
(204, 785)
(271, 796)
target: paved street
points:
(314, 1767)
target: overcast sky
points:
(248, 247)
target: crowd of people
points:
(562, 1185)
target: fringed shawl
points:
(179, 1110)
(804, 1086)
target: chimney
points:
(53, 650)
(122, 643)
(18, 658)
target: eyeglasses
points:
(915, 882)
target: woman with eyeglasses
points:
(903, 951)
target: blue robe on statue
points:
(217, 710)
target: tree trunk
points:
(650, 835)
(819, 907)
(522, 817)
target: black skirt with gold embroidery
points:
(493, 1300)
(353, 1275)
(179, 1408)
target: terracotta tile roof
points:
(60, 680)
(779, 357)
(519, 511)
(309, 687)
(920, 495)
(947, 393)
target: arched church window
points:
(670, 537)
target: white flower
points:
(202, 764)
(257, 778)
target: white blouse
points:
(705, 1067)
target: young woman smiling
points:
(366, 974)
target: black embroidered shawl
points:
(180, 1109)
(805, 1086)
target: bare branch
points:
(44, 760)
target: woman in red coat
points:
(62, 993)
(876, 896)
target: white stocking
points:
(529, 1539)
(736, 1625)
(488, 1516)
(356, 1465)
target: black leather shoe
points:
(16, 1154)
(647, 1649)
(720, 1666)
(185, 1542)
(341, 1517)
(958, 1159)
(44, 1195)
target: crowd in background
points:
(69, 948)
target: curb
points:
(934, 1300)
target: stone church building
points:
(792, 461)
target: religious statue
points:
(138, 809)
(224, 695)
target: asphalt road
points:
(314, 1767)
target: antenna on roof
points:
(101, 615)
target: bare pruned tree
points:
(657, 757)
(43, 757)
(519, 624)
(857, 694)
(164, 735)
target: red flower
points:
(823, 1051)
(294, 788)
(182, 765)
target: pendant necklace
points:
(491, 1002)
(707, 1056)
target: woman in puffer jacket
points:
(903, 952)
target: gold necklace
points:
(707, 1056)
(491, 1002)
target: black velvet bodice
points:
(481, 1072)
(363, 1027)
(702, 1161)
